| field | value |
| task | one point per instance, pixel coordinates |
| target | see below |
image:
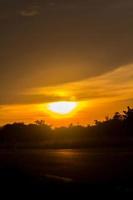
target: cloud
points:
(116, 85)
(28, 99)
(112, 86)
(30, 12)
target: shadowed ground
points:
(66, 171)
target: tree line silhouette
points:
(112, 132)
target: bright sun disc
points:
(63, 107)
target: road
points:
(71, 165)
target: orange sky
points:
(67, 50)
(97, 98)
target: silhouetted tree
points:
(117, 130)
(128, 122)
(40, 122)
(117, 116)
(128, 114)
(97, 122)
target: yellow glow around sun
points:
(63, 107)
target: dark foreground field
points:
(48, 172)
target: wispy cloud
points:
(30, 11)
(115, 85)
(28, 99)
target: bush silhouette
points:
(114, 131)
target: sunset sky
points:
(65, 50)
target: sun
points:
(63, 107)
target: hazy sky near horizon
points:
(83, 47)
